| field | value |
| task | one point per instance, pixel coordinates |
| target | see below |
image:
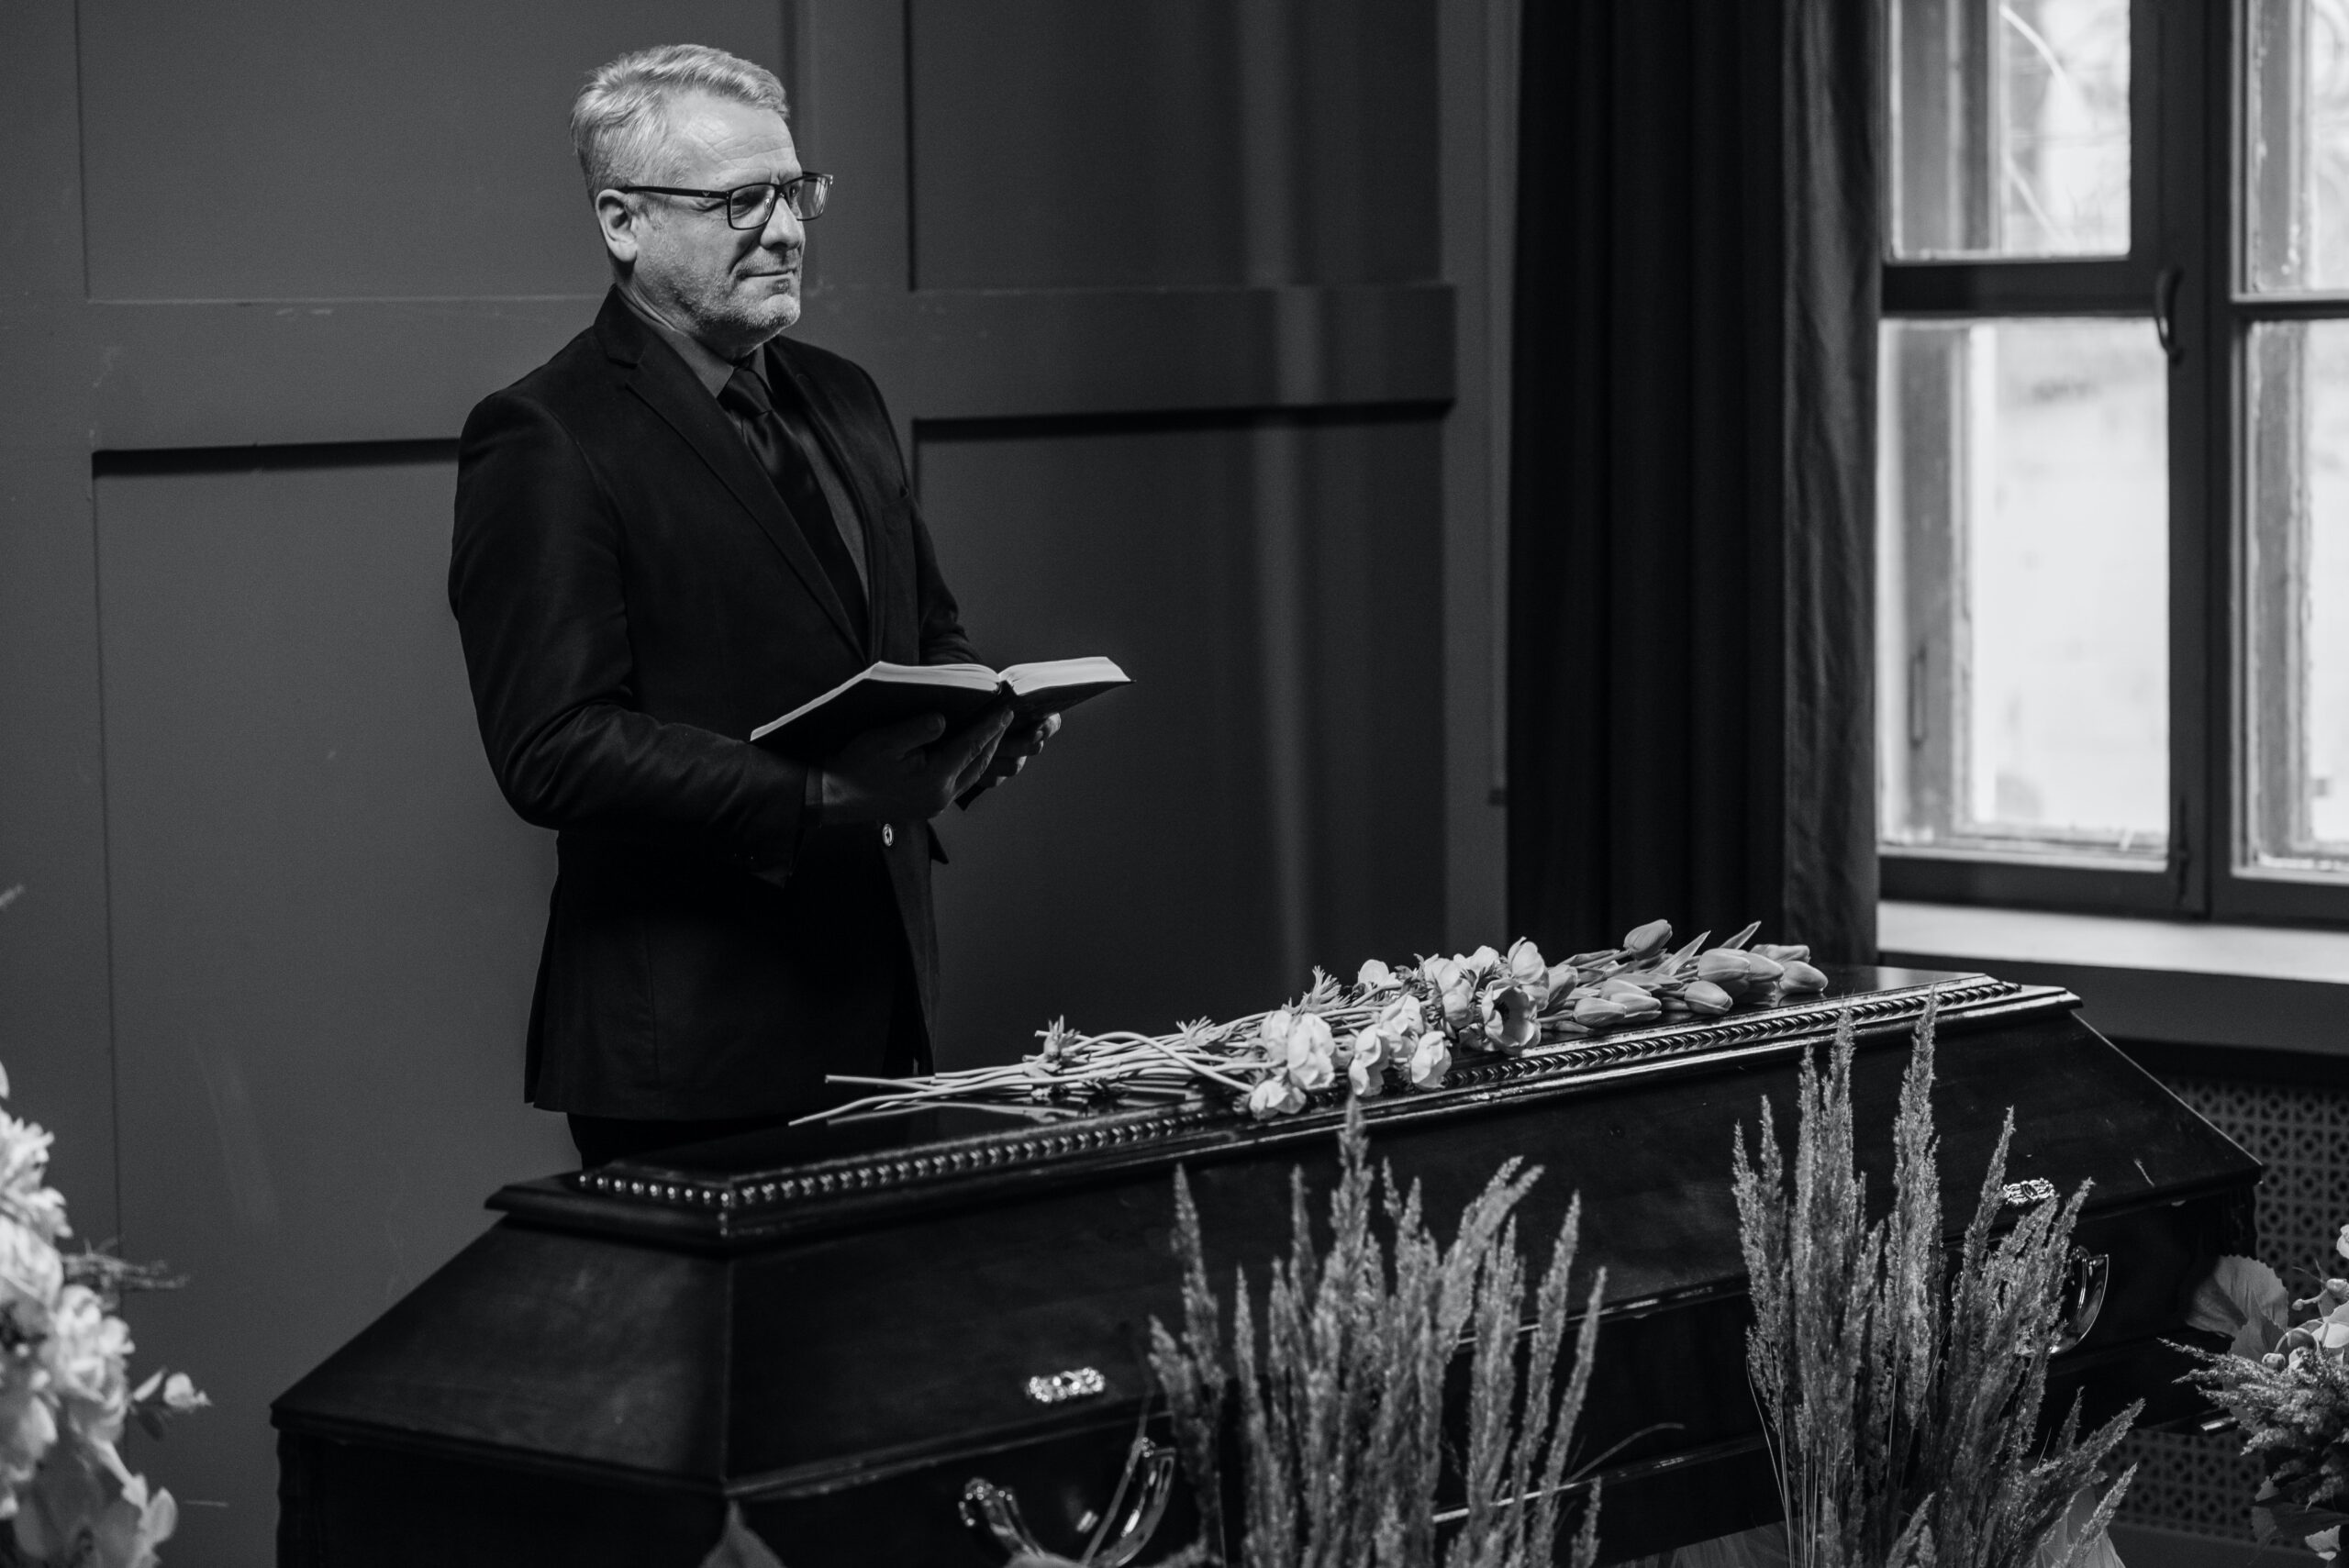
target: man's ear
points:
(622, 222)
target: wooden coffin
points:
(839, 1330)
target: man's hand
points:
(1019, 745)
(908, 771)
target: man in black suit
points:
(678, 528)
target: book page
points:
(972, 677)
(1090, 672)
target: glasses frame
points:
(783, 192)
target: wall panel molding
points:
(234, 375)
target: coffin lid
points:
(766, 1316)
(756, 1189)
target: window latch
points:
(2165, 284)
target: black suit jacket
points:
(634, 599)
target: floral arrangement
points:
(1336, 1427)
(65, 1394)
(1392, 1029)
(1901, 1400)
(2285, 1381)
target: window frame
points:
(2188, 157)
(2237, 309)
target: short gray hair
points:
(621, 115)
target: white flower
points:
(1508, 1014)
(30, 1270)
(1273, 1034)
(1431, 1060)
(130, 1529)
(1642, 941)
(1707, 999)
(2341, 1242)
(86, 1507)
(1728, 968)
(1386, 1039)
(87, 1352)
(24, 1172)
(1390, 1033)
(1639, 1004)
(1800, 978)
(28, 1431)
(1375, 977)
(1484, 961)
(1454, 988)
(55, 1511)
(176, 1392)
(1597, 1012)
(1525, 968)
(1274, 1095)
(1311, 1049)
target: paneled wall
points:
(1184, 308)
(1260, 801)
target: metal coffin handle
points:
(992, 1513)
(2084, 1289)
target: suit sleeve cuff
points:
(780, 814)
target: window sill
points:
(2188, 985)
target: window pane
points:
(2024, 589)
(2296, 619)
(2298, 102)
(2010, 128)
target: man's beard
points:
(727, 316)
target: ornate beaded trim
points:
(885, 1172)
(1683, 1040)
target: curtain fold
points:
(1691, 709)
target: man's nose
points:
(783, 231)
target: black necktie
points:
(745, 397)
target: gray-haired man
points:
(678, 527)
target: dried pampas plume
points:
(1322, 1420)
(1902, 1400)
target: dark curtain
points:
(1691, 708)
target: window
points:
(2113, 457)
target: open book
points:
(886, 693)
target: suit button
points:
(888, 835)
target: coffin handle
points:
(2084, 1288)
(992, 1513)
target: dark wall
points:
(1169, 309)
(1262, 799)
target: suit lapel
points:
(669, 388)
(884, 551)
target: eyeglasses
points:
(750, 206)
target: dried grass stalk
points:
(1330, 1440)
(1901, 1401)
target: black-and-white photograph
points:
(1174, 783)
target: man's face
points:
(731, 288)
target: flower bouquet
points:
(65, 1394)
(2284, 1380)
(1395, 1028)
